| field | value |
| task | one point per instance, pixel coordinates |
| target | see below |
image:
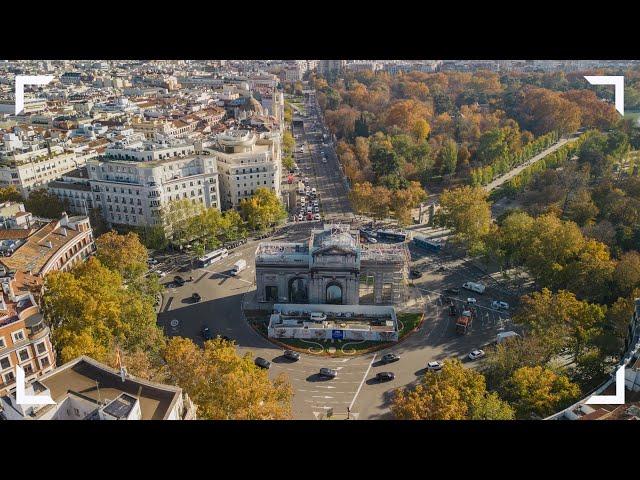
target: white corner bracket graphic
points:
(617, 399)
(21, 81)
(22, 399)
(617, 80)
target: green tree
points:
(44, 204)
(467, 212)
(448, 156)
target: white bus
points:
(212, 257)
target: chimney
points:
(63, 232)
(49, 244)
(64, 221)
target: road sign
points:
(337, 334)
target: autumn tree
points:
(91, 312)
(454, 393)
(122, 253)
(263, 209)
(225, 385)
(540, 391)
(563, 320)
(10, 193)
(626, 275)
(467, 212)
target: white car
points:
(306, 180)
(324, 160)
(316, 216)
(317, 317)
(476, 354)
(300, 217)
(161, 273)
(471, 301)
(499, 305)
(434, 366)
(316, 209)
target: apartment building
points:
(246, 162)
(132, 187)
(36, 172)
(56, 245)
(74, 191)
(24, 337)
(84, 389)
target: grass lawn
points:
(408, 322)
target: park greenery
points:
(451, 127)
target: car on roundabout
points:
(291, 355)
(385, 376)
(476, 354)
(434, 366)
(328, 372)
(390, 357)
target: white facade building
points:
(133, 192)
(246, 162)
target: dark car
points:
(390, 357)
(206, 333)
(415, 273)
(178, 280)
(452, 291)
(291, 355)
(453, 311)
(328, 372)
(196, 297)
(385, 376)
(262, 363)
(225, 338)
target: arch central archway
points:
(298, 291)
(334, 293)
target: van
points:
(474, 287)
(239, 266)
(501, 337)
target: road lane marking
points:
(362, 382)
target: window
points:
(18, 336)
(41, 348)
(5, 363)
(8, 377)
(2, 342)
(44, 362)
(28, 369)
(23, 355)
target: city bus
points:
(212, 257)
(426, 243)
(391, 235)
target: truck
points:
(463, 324)
(239, 266)
(474, 287)
(300, 188)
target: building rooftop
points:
(40, 247)
(103, 384)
